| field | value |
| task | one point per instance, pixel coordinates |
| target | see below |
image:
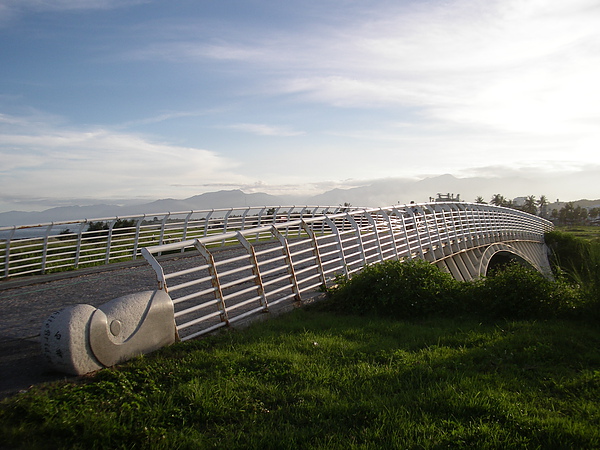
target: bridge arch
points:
(476, 262)
(502, 258)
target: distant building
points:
(519, 201)
(445, 198)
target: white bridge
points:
(224, 276)
(286, 260)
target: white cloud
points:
(506, 64)
(264, 130)
(63, 163)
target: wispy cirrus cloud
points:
(505, 64)
(264, 130)
(166, 116)
(99, 162)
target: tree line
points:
(568, 214)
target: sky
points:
(149, 99)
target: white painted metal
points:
(41, 248)
(289, 260)
(238, 262)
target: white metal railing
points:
(46, 247)
(283, 261)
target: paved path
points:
(26, 303)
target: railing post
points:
(45, 249)
(392, 235)
(244, 214)
(440, 209)
(255, 270)
(373, 223)
(290, 263)
(216, 283)
(304, 226)
(402, 216)
(425, 224)
(136, 239)
(78, 248)
(417, 233)
(206, 220)
(225, 224)
(186, 224)
(158, 270)
(361, 247)
(109, 241)
(226, 220)
(464, 234)
(301, 218)
(7, 252)
(339, 244)
(162, 229)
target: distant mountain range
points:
(209, 200)
(384, 192)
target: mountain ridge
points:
(377, 193)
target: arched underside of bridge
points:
(472, 263)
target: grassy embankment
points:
(400, 357)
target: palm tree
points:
(543, 204)
(530, 205)
(498, 200)
(480, 200)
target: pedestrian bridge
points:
(290, 259)
(209, 282)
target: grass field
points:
(591, 233)
(313, 379)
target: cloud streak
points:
(260, 129)
(65, 163)
(510, 66)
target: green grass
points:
(314, 379)
(587, 232)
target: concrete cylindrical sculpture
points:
(80, 339)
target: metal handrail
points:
(287, 260)
(66, 245)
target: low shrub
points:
(520, 292)
(417, 289)
(396, 289)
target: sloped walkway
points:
(26, 303)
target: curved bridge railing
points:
(56, 246)
(290, 260)
(227, 275)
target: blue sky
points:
(128, 99)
